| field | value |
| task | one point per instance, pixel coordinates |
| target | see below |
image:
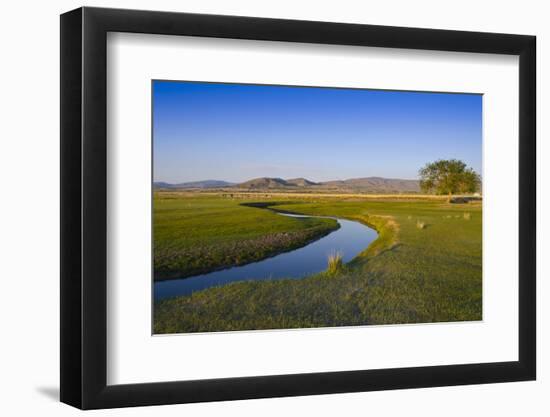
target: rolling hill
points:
(365, 185)
(264, 183)
(369, 184)
(375, 184)
(300, 182)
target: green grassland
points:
(425, 266)
(194, 234)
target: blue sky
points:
(236, 132)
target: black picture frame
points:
(84, 207)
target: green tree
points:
(448, 176)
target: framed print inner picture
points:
(256, 208)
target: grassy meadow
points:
(425, 265)
(194, 234)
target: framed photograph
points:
(257, 208)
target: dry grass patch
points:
(335, 263)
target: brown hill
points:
(375, 185)
(264, 183)
(300, 182)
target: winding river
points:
(350, 239)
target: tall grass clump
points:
(420, 225)
(335, 263)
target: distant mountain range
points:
(376, 184)
(368, 184)
(195, 184)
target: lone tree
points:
(448, 176)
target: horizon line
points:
(285, 179)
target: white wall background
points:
(29, 226)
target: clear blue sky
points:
(236, 132)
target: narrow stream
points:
(349, 240)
